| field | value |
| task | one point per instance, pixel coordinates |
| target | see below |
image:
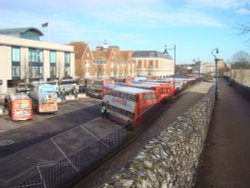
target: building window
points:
(87, 69)
(157, 64)
(36, 62)
(151, 64)
(67, 64)
(139, 64)
(145, 63)
(52, 64)
(16, 70)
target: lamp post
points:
(214, 52)
(166, 52)
(198, 66)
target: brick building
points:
(104, 62)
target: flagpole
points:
(48, 33)
(46, 24)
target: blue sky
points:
(194, 26)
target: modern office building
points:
(24, 58)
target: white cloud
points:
(243, 11)
(225, 4)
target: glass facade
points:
(36, 62)
(16, 69)
(52, 64)
(30, 35)
(67, 64)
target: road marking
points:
(6, 142)
(94, 136)
(40, 174)
(64, 154)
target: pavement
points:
(225, 161)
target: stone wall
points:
(241, 76)
(171, 159)
(240, 81)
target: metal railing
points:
(60, 173)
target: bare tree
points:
(27, 71)
(241, 60)
(244, 29)
(59, 70)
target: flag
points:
(45, 24)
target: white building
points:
(153, 63)
(24, 58)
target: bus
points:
(44, 98)
(163, 92)
(179, 83)
(19, 106)
(127, 104)
(97, 88)
(124, 80)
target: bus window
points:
(148, 96)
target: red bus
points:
(163, 92)
(97, 88)
(128, 103)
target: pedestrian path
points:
(226, 159)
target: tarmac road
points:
(44, 143)
(46, 126)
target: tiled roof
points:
(21, 30)
(151, 54)
(79, 48)
(100, 55)
(126, 54)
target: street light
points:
(166, 52)
(214, 52)
(198, 66)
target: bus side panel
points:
(143, 106)
(120, 103)
(21, 109)
(44, 99)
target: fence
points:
(78, 164)
(60, 173)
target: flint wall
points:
(240, 81)
(240, 76)
(171, 159)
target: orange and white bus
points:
(128, 103)
(19, 106)
(97, 88)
